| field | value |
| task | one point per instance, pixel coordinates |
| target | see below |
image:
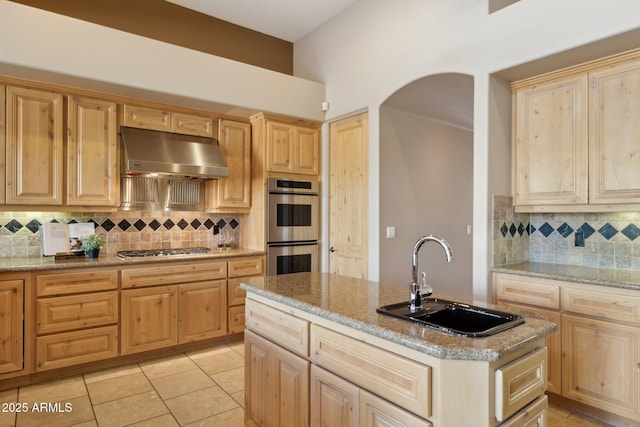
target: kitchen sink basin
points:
(454, 317)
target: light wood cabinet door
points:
(34, 147)
(290, 376)
(3, 143)
(551, 146)
(149, 318)
(92, 170)
(147, 118)
(11, 331)
(306, 151)
(334, 401)
(377, 412)
(257, 390)
(233, 192)
(190, 124)
(280, 142)
(614, 126)
(600, 364)
(202, 310)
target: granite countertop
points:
(626, 279)
(353, 302)
(106, 260)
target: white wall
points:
(40, 45)
(427, 189)
(377, 46)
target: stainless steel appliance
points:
(292, 226)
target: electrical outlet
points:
(391, 232)
(579, 239)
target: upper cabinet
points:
(34, 151)
(92, 169)
(167, 121)
(233, 194)
(292, 146)
(576, 145)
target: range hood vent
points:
(155, 152)
(161, 193)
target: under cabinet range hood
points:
(155, 152)
(162, 192)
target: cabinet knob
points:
(332, 249)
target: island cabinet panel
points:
(534, 415)
(400, 380)
(202, 310)
(288, 331)
(377, 412)
(11, 329)
(35, 141)
(276, 384)
(92, 146)
(520, 382)
(77, 347)
(172, 273)
(149, 318)
(334, 401)
(600, 364)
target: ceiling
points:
(288, 20)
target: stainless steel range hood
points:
(155, 152)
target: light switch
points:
(391, 232)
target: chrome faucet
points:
(416, 298)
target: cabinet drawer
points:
(72, 283)
(235, 294)
(522, 290)
(76, 312)
(402, 381)
(284, 329)
(378, 412)
(236, 319)
(246, 267)
(605, 305)
(74, 348)
(520, 382)
(534, 415)
(172, 274)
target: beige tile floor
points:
(199, 388)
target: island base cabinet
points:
(334, 401)
(276, 385)
(534, 415)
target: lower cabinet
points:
(11, 330)
(276, 385)
(202, 310)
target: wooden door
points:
(92, 171)
(280, 137)
(614, 126)
(290, 376)
(551, 148)
(190, 124)
(149, 319)
(147, 118)
(3, 144)
(234, 192)
(306, 151)
(600, 364)
(377, 412)
(334, 401)
(34, 147)
(202, 310)
(11, 313)
(348, 196)
(257, 390)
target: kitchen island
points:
(318, 353)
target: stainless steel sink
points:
(454, 317)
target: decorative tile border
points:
(19, 236)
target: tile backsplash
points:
(19, 236)
(611, 240)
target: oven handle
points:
(300, 243)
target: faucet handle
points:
(425, 289)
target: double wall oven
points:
(292, 226)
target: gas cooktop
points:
(160, 252)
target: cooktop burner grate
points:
(161, 252)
